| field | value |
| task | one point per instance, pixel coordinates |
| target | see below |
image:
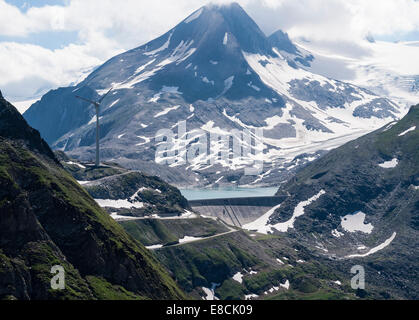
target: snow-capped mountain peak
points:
(206, 46)
(218, 71)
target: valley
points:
(217, 249)
(234, 248)
(216, 162)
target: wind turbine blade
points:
(81, 98)
(104, 96)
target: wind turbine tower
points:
(97, 107)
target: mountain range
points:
(357, 204)
(386, 68)
(217, 71)
(344, 160)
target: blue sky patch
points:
(24, 5)
(400, 36)
(48, 39)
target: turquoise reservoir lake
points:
(227, 192)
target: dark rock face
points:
(148, 194)
(47, 219)
(294, 56)
(14, 126)
(156, 196)
(305, 90)
(378, 175)
(67, 112)
(281, 40)
(352, 176)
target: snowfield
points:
(285, 285)
(117, 217)
(355, 222)
(238, 277)
(154, 247)
(210, 295)
(369, 65)
(119, 204)
(389, 164)
(187, 239)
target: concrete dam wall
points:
(236, 211)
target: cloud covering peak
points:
(102, 28)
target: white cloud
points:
(31, 69)
(337, 19)
(107, 27)
(144, 19)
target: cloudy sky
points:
(49, 43)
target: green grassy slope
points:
(154, 231)
(46, 218)
(202, 263)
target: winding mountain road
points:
(191, 240)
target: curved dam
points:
(236, 211)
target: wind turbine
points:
(97, 107)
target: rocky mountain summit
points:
(215, 74)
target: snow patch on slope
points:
(261, 224)
(121, 203)
(298, 211)
(228, 83)
(337, 234)
(238, 277)
(113, 103)
(355, 222)
(389, 164)
(76, 164)
(193, 16)
(162, 48)
(210, 293)
(407, 131)
(180, 54)
(93, 120)
(225, 40)
(375, 249)
(285, 285)
(141, 68)
(187, 239)
(166, 111)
